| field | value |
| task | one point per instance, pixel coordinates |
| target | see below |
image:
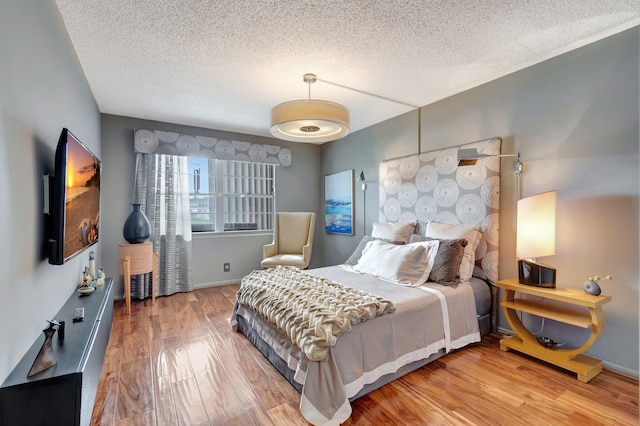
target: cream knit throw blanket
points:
(312, 311)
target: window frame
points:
(217, 193)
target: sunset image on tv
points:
(82, 188)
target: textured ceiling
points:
(223, 64)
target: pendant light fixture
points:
(309, 120)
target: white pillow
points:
(406, 264)
(393, 231)
(471, 233)
(432, 250)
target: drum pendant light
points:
(309, 120)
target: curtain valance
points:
(171, 143)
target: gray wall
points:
(297, 189)
(575, 120)
(42, 90)
(362, 151)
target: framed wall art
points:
(338, 203)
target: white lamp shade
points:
(311, 120)
(536, 233)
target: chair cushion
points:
(293, 231)
(285, 260)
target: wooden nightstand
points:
(136, 259)
(574, 360)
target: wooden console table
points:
(136, 259)
(574, 360)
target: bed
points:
(426, 314)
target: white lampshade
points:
(536, 233)
(309, 120)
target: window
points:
(230, 195)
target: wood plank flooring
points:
(179, 363)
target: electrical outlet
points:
(227, 267)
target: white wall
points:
(574, 118)
(42, 90)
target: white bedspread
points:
(415, 331)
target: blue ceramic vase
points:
(136, 228)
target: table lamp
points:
(536, 237)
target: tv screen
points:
(75, 205)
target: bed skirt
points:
(486, 295)
(288, 373)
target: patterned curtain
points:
(162, 190)
(171, 143)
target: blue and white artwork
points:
(338, 204)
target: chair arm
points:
(269, 250)
(306, 254)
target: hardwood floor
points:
(179, 363)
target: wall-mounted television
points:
(75, 200)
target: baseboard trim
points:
(201, 285)
(619, 369)
(216, 284)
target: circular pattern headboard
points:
(431, 187)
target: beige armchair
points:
(292, 240)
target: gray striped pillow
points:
(446, 266)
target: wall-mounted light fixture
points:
(470, 156)
(364, 182)
(362, 179)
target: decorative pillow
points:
(394, 231)
(471, 233)
(446, 266)
(407, 264)
(357, 253)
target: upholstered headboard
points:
(431, 187)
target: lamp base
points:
(535, 274)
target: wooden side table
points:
(574, 360)
(136, 259)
